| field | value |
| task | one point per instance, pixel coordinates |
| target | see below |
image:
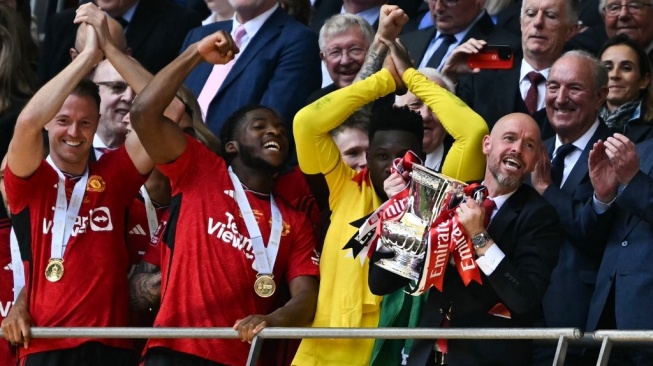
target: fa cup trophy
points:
(429, 195)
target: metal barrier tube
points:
(254, 351)
(561, 351)
(563, 335)
(631, 336)
(297, 333)
(604, 355)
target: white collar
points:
(254, 25)
(129, 14)
(460, 35)
(582, 141)
(526, 68)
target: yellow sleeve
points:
(316, 151)
(465, 160)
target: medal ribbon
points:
(64, 213)
(16, 264)
(263, 257)
(150, 212)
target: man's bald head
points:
(117, 38)
(511, 150)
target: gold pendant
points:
(54, 270)
(264, 285)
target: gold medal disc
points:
(264, 286)
(54, 270)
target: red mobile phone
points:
(492, 57)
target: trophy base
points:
(403, 264)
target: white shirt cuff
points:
(599, 207)
(489, 261)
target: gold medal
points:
(264, 286)
(54, 270)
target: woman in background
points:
(629, 105)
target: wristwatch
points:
(480, 240)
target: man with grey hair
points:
(436, 141)
(546, 26)
(632, 18)
(576, 88)
(344, 40)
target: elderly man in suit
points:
(622, 177)
(278, 65)
(565, 184)
(154, 29)
(546, 26)
(515, 254)
(455, 22)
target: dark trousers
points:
(86, 354)
(620, 355)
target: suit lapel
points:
(646, 166)
(141, 24)
(270, 30)
(580, 169)
(507, 100)
(481, 29)
(201, 73)
(506, 214)
(419, 42)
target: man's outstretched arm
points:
(162, 139)
(26, 147)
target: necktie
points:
(438, 55)
(558, 163)
(123, 22)
(217, 76)
(489, 205)
(531, 96)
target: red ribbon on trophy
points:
(393, 209)
(447, 237)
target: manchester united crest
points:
(95, 184)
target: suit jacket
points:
(155, 34)
(279, 68)
(626, 266)
(418, 42)
(566, 302)
(590, 40)
(526, 229)
(495, 93)
(508, 18)
(325, 9)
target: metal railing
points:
(563, 336)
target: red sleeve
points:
(303, 258)
(181, 171)
(22, 191)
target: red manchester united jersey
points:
(207, 266)
(93, 291)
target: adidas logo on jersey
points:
(9, 267)
(137, 230)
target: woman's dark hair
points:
(17, 76)
(644, 69)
